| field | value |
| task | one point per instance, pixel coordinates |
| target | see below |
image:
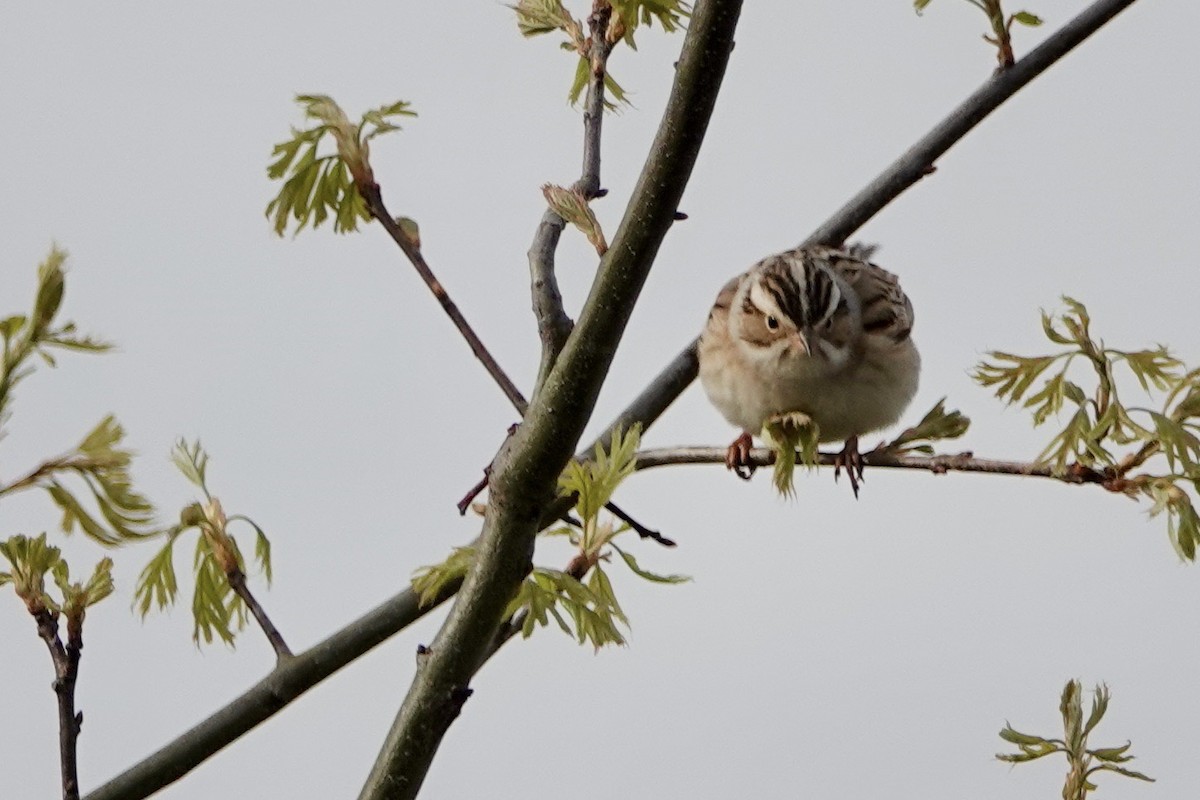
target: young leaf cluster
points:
(120, 514)
(316, 187)
(1001, 36)
(35, 333)
(1083, 762)
(31, 559)
(218, 609)
(1102, 432)
(571, 205)
(581, 598)
(785, 435)
(624, 17)
(938, 424)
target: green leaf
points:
(1099, 707)
(29, 560)
(630, 14)
(1155, 367)
(51, 286)
(1009, 734)
(1012, 375)
(537, 17)
(430, 581)
(1115, 755)
(583, 70)
(1128, 773)
(938, 424)
(314, 186)
(11, 325)
(1025, 18)
(192, 461)
(920, 5)
(594, 482)
(156, 585)
(572, 206)
(785, 434)
(654, 577)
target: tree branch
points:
(937, 464)
(920, 158)
(412, 250)
(237, 582)
(288, 681)
(66, 673)
(528, 465)
(554, 326)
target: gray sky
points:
(826, 648)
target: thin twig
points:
(46, 468)
(374, 199)
(237, 582)
(379, 212)
(66, 672)
(641, 530)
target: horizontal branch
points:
(937, 464)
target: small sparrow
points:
(814, 332)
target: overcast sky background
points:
(826, 648)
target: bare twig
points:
(237, 582)
(641, 530)
(374, 199)
(66, 672)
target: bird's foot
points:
(737, 457)
(852, 460)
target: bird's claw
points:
(852, 460)
(737, 457)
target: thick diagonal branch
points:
(528, 466)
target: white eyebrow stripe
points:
(763, 301)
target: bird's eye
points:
(772, 323)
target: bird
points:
(817, 333)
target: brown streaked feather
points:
(886, 309)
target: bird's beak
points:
(800, 340)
